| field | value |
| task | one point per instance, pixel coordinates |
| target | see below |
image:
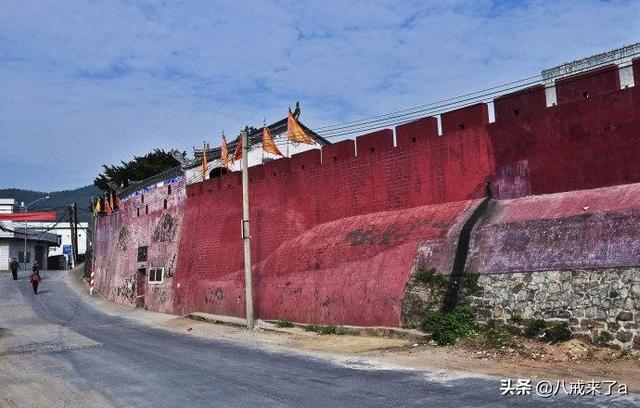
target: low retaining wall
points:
(350, 271)
(591, 301)
(571, 257)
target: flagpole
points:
(246, 234)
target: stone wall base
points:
(590, 300)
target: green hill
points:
(57, 199)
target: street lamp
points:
(24, 255)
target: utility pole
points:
(75, 234)
(246, 233)
(24, 255)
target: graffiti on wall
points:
(126, 290)
(213, 295)
(165, 229)
(123, 238)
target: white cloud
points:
(106, 80)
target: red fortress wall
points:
(326, 249)
(316, 188)
(335, 234)
(590, 139)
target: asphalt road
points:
(87, 358)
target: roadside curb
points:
(367, 331)
(271, 325)
(217, 319)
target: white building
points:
(13, 245)
(7, 205)
(63, 230)
(43, 239)
(256, 156)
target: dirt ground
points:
(569, 361)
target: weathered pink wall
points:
(119, 235)
(580, 229)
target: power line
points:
(410, 114)
(422, 109)
(329, 128)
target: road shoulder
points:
(371, 352)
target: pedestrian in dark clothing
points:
(14, 266)
(35, 277)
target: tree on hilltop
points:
(138, 169)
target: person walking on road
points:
(14, 266)
(35, 277)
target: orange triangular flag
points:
(295, 133)
(107, 207)
(268, 145)
(224, 152)
(237, 155)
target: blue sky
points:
(84, 83)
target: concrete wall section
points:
(582, 229)
(352, 270)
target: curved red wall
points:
(303, 208)
(290, 197)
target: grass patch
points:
(517, 319)
(324, 330)
(440, 283)
(497, 335)
(429, 277)
(548, 332)
(284, 324)
(605, 337)
(447, 328)
(311, 328)
(535, 328)
(471, 283)
(557, 333)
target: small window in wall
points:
(146, 209)
(138, 211)
(165, 204)
(156, 275)
(169, 190)
(22, 258)
(142, 198)
(142, 254)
